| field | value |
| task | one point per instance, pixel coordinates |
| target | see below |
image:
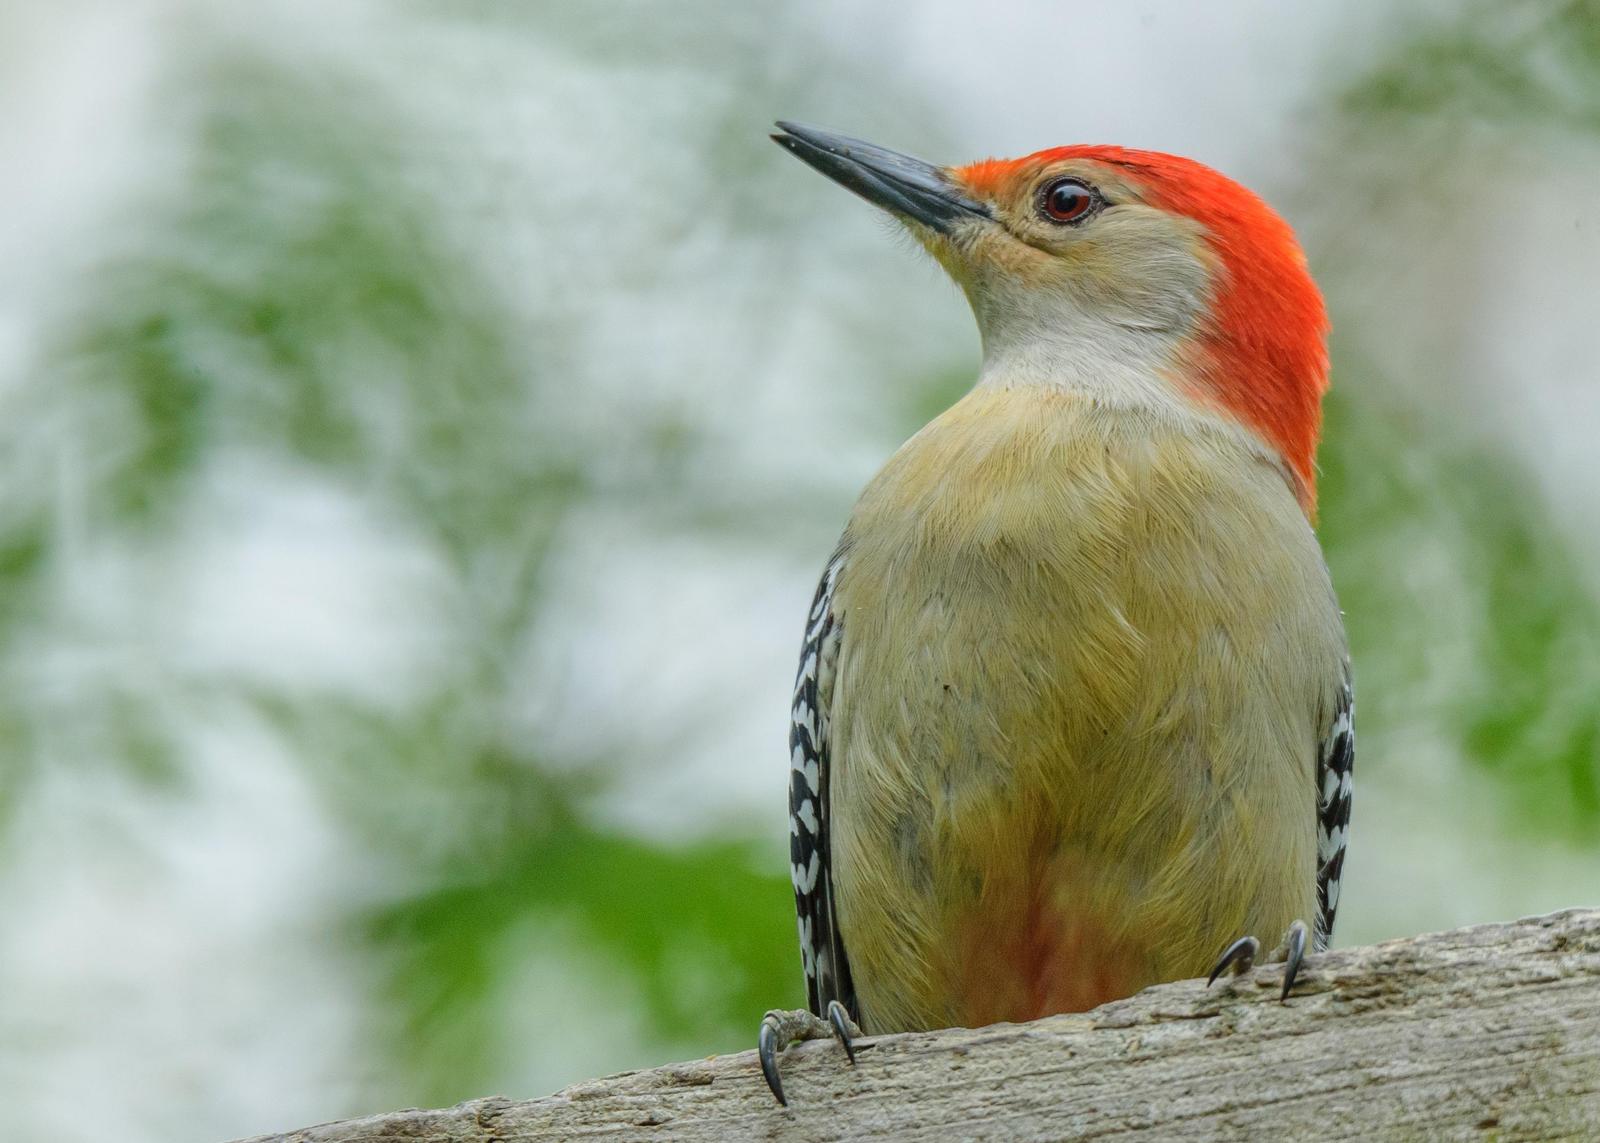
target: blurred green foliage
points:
(1531, 65)
(1523, 709)
(1398, 480)
(704, 933)
(300, 297)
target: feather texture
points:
(1336, 761)
(1070, 689)
(822, 953)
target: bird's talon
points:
(1240, 955)
(767, 1048)
(780, 1028)
(844, 1029)
(1294, 954)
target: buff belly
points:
(1073, 750)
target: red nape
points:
(1263, 355)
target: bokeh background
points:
(421, 425)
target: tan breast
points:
(1086, 657)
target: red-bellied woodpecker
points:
(1074, 703)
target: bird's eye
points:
(1067, 200)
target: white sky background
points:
(160, 976)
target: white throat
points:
(1114, 363)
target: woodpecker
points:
(1074, 707)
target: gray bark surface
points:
(1490, 1032)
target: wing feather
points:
(1336, 760)
(821, 949)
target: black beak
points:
(909, 187)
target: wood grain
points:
(1490, 1032)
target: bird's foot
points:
(780, 1028)
(1241, 957)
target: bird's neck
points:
(1117, 366)
(1149, 373)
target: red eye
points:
(1066, 200)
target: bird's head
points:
(1138, 276)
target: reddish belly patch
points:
(1020, 963)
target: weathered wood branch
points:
(1490, 1032)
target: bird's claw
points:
(767, 1048)
(1241, 957)
(780, 1028)
(844, 1029)
(1294, 952)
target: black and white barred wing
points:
(1336, 759)
(822, 952)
